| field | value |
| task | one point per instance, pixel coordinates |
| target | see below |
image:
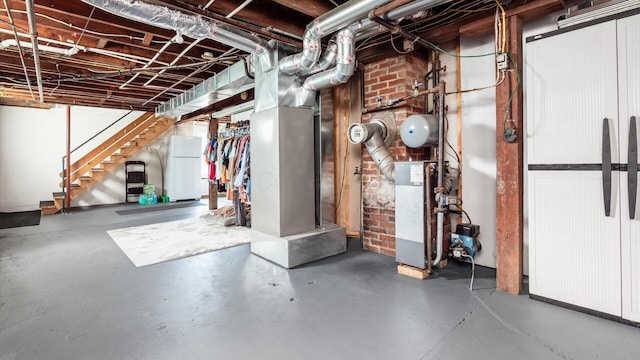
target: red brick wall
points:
(391, 78)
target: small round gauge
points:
(357, 133)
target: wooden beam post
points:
(509, 162)
(213, 187)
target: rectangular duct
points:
(228, 82)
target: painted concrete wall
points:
(478, 136)
(32, 143)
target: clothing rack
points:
(233, 132)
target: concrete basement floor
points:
(68, 292)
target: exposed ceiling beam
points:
(530, 10)
(312, 8)
(222, 104)
(24, 103)
(256, 21)
(147, 39)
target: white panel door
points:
(629, 79)
(574, 249)
(571, 87)
(630, 256)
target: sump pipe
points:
(440, 183)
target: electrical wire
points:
(433, 21)
(446, 140)
(502, 77)
(93, 8)
(473, 11)
(473, 270)
(344, 161)
(464, 212)
(503, 26)
(513, 92)
(130, 37)
(394, 46)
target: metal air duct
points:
(376, 137)
(191, 25)
(328, 59)
(228, 82)
(325, 24)
(345, 64)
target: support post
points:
(213, 187)
(509, 162)
(67, 198)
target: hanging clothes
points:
(229, 157)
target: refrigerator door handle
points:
(632, 167)
(606, 167)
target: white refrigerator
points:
(182, 174)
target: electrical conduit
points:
(33, 32)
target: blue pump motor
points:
(464, 242)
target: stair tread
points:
(47, 203)
(58, 194)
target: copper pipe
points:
(399, 101)
(383, 107)
(391, 6)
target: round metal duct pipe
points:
(376, 136)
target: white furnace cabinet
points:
(583, 112)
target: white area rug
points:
(156, 243)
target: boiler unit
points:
(415, 215)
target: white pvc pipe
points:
(236, 10)
(117, 55)
(174, 61)
(15, 34)
(440, 183)
(11, 42)
(153, 59)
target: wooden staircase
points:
(107, 157)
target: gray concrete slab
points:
(68, 292)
